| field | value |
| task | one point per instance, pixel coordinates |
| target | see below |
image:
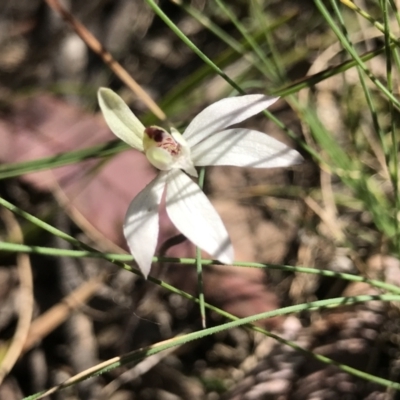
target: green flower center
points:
(160, 147)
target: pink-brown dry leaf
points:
(240, 291)
(96, 192)
(243, 291)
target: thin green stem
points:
(392, 156)
(7, 247)
(191, 45)
(104, 150)
(199, 265)
(262, 19)
(312, 80)
(395, 10)
(374, 115)
(252, 43)
(221, 34)
(44, 225)
(368, 17)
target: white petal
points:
(141, 223)
(244, 148)
(224, 113)
(193, 214)
(120, 119)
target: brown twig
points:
(52, 318)
(15, 348)
(100, 50)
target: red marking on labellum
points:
(154, 133)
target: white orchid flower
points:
(204, 142)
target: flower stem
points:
(199, 265)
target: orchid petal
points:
(120, 119)
(193, 214)
(224, 113)
(244, 148)
(141, 223)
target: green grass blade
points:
(116, 258)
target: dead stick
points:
(99, 49)
(51, 319)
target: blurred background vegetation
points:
(336, 67)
